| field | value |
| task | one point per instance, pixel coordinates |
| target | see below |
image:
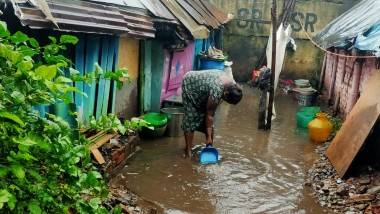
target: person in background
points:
(202, 92)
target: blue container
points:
(209, 64)
(209, 155)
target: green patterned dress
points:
(197, 87)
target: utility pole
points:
(273, 66)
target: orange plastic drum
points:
(320, 128)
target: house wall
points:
(176, 65)
(345, 79)
(127, 97)
(245, 37)
(158, 57)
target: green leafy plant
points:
(110, 123)
(337, 124)
(43, 169)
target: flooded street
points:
(260, 172)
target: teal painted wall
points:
(147, 69)
(157, 75)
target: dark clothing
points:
(197, 88)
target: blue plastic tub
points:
(209, 64)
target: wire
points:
(327, 51)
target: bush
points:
(42, 168)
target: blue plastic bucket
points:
(209, 64)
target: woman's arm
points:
(210, 112)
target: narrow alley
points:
(260, 172)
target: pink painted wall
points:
(182, 62)
(350, 75)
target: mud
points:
(260, 172)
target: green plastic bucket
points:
(305, 115)
(156, 119)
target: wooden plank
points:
(102, 82)
(79, 65)
(99, 134)
(116, 66)
(356, 128)
(92, 56)
(98, 156)
(103, 140)
(107, 86)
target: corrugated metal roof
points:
(129, 3)
(198, 6)
(196, 30)
(89, 17)
(139, 22)
(74, 16)
(221, 16)
(192, 12)
(159, 11)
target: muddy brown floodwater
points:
(260, 172)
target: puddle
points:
(260, 172)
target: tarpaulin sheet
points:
(283, 38)
(370, 40)
(350, 24)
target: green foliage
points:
(337, 124)
(110, 123)
(98, 74)
(42, 168)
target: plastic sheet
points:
(283, 38)
(370, 40)
(349, 25)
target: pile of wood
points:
(111, 150)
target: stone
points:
(361, 206)
(374, 190)
(364, 181)
(361, 198)
(342, 190)
(362, 189)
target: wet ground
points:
(260, 172)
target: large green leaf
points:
(68, 39)
(19, 37)
(62, 79)
(4, 197)
(15, 56)
(33, 42)
(34, 208)
(18, 171)
(25, 65)
(10, 116)
(94, 203)
(18, 97)
(12, 202)
(27, 51)
(4, 29)
(46, 72)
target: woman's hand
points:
(209, 141)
